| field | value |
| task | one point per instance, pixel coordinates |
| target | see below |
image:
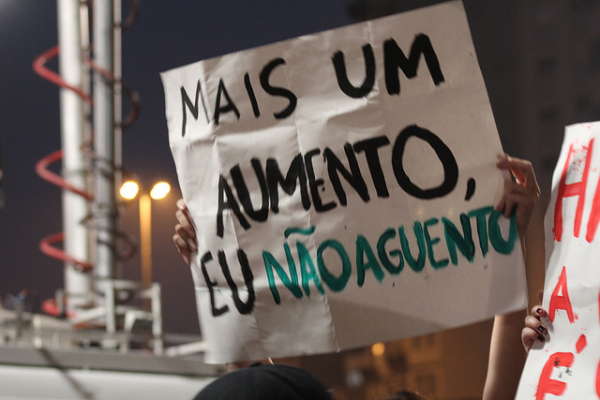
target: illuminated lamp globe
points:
(160, 190)
(129, 190)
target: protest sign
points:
(568, 364)
(342, 186)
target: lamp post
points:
(129, 191)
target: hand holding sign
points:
(520, 193)
(534, 330)
(506, 359)
(185, 233)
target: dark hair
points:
(406, 395)
(265, 382)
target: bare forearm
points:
(507, 357)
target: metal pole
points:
(105, 209)
(118, 71)
(84, 19)
(146, 238)
(104, 141)
(118, 106)
(74, 207)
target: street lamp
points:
(129, 190)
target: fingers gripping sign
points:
(521, 193)
(535, 330)
(185, 234)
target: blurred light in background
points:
(378, 349)
(129, 190)
(160, 190)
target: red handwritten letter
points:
(572, 189)
(598, 380)
(561, 302)
(594, 218)
(547, 385)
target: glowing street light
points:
(129, 190)
(160, 190)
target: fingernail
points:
(542, 339)
(539, 310)
(541, 329)
(193, 246)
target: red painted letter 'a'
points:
(561, 302)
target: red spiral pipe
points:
(41, 166)
(39, 66)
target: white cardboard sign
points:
(568, 364)
(342, 186)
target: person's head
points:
(265, 382)
(406, 395)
